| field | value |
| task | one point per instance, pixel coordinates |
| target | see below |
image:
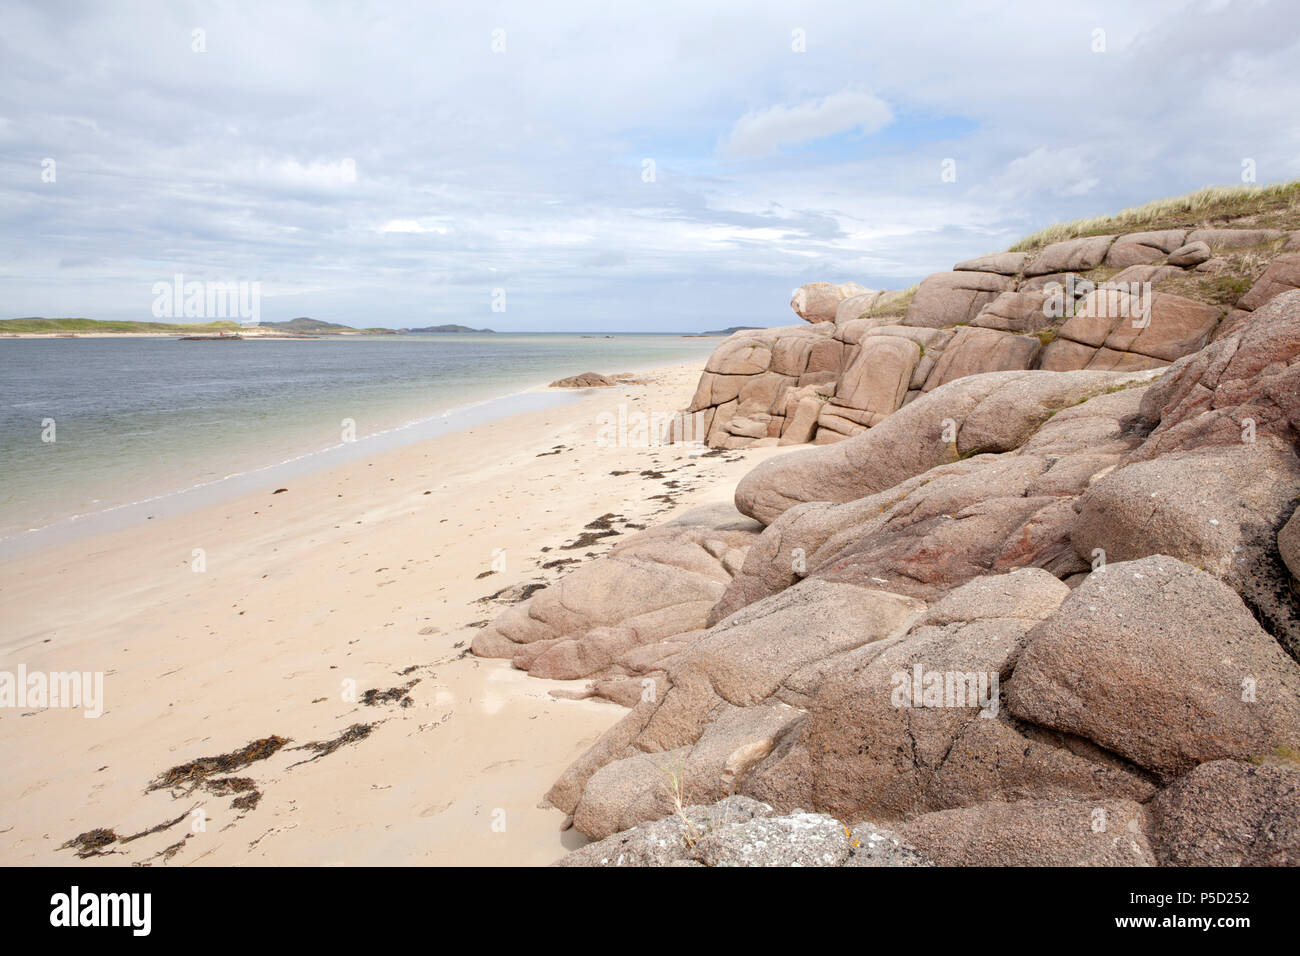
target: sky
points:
(596, 167)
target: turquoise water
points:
(141, 418)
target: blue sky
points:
(381, 164)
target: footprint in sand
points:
(434, 809)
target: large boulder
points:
(1162, 664)
(1281, 275)
(1002, 263)
(1161, 326)
(1140, 248)
(1221, 238)
(1245, 385)
(818, 301)
(1016, 312)
(1071, 255)
(1230, 813)
(659, 583)
(911, 725)
(1218, 508)
(995, 412)
(873, 386)
(975, 351)
(723, 711)
(1034, 833)
(951, 298)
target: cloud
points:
(1064, 172)
(760, 132)
(412, 225)
(384, 163)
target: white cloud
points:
(761, 131)
(321, 174)
(1063, 172)
(412, 225)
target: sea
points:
(97, 433)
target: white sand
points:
(332, 581)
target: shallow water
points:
(138, 419)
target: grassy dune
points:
(1275, 206)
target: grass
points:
(896, 306)
(677, 787)
(1274, 206)
(55, 326)
(1241, 267)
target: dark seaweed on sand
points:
(323, 748)
(191, 775)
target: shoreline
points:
(398, 432)
(374, 571)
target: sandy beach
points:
(371, 576)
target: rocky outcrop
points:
(979, 414)
(597, 620)
(585, 380)
(1230, 813)
(1162, 664)
(738, 831)
(1001, 616)
(1100, 303)
(1035, 833)
(819, 301)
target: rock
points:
(921, 435)
(876, 380)
(1034, 833)
(1217, 508)
(1282, 275)
(855, 306)
(1162, 664)
(657, 584)
(1288, 545)
(1234, 238)
(799, 839)
(1140, 248)
(801, 419)
(950, 298)
(1016, 312)
(870, 845)
(818, 301)
(585, 380)
(1001, 263)
(1175, 326)
(1192, 254)
(1228, 813)
(1150, 274)
(1072, 255)
(974, 351)
(1249, 376)
(1063, 355)
(872, 748)
(664, 841)
(746, 656)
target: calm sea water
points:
(135, 419)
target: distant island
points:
(447, 328)
(299, 328)
(734, 328)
